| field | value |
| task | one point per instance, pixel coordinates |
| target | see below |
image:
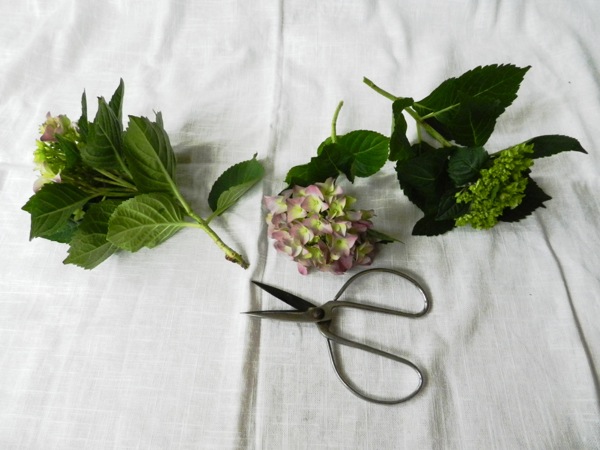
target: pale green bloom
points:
(49, 157)
(499, 187)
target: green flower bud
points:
(499, 187)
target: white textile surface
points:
(149, 350)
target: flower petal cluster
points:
(49, 157)
(499, 187)
(316, 227)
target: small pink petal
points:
(302, 269)
(301, 233)
(275, 204)
(294, 209)
(48, 135)
(313, 204)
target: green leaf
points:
(552, 144)
(145, 221)
(534, 198)
(464, 165)
(359, 153)
(83, 123)
(368, 152)
(400, 148)
(70, 150)
(465, 109)
(306, 174)
(430, 226)
(319, 168)
(104, 145)
(473, 122)
(89, 246)
(323, 144)
(419, 148)
(149, 155)
(52, 206)
(381, 238)
(116, 102)
(233, 184)
(448, 208)
(424, 179)
(65, 234)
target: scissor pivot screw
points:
(318, 313)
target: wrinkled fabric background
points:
(149, 350)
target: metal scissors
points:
(322, 316)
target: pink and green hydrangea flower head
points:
(316, 227)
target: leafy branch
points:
(458, 182)
(405, 104)
(104, 188)
(464, 184)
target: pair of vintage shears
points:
(322, 316)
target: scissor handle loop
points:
(331, 337)
(426, 301)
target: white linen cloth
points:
(149, 350)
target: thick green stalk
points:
(334, 122)
(380, 91)
(420, 121)
(230, 254)
(432, 132)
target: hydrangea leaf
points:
(65, 234)
(327, 164)
(71, 152)
(233, 184)
(83, 123)
(429, 225)
(145, 221)
(89, 246)
(103, 148)
(400, 148)
(534, 198)
(472, 123)
(116, 101)
(424, 178)
(381, 238)
(149, 155)
(449, 208)
(369, 151)
(465, 163)
(52, 206)
(360, 153)
(465, 109)
(549, 145)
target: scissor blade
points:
(293, 300)
(286, 316)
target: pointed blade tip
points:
(286, 297)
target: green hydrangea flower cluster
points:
(499, 187)
(49, 157)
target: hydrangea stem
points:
(230, 254)
(334, 122)
(116, 180)
(380, 91)
(420, 121)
